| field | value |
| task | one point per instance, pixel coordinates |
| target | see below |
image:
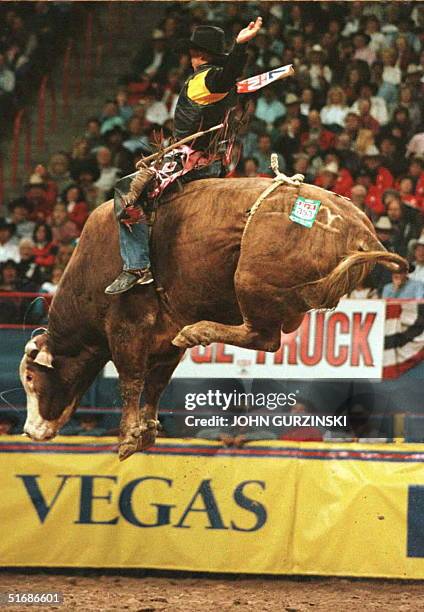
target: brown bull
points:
(218, 279)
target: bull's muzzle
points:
(39, 431)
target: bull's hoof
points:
(127, 448)
(192, 335)
(139, 438)
(182, 341)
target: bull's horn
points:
(44, 358)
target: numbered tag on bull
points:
(305, 211)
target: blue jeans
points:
(134, 242)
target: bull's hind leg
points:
(261, 328)
(251, 336)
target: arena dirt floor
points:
(151, 593)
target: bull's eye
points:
(29, 377)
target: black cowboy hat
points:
(205, 38)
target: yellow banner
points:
(277, 508)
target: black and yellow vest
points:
(199, 109)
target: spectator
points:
(366, 120)
(58, 169)
(8, 245)
(378, 107)
(416, 145)
(334, 113)
(121, 157)
(156, 111)
(292, 103)
(288, 141)
(380, 275)
(137, 141)
(29, 272)
(363, 49)
(76, 208)
(250, 167)
(403, 287)
(9, 276)
(405, 220)
(317, 132)
(358, 195)
(351, 125)
(391, 72)
(406, 193)
(269, 108)
(19, 213)
(125, 110)
(153, 60)
(8, 423)
(64, 254)
(63, 229)
(335, 179)
(416, 250)
(52, 285)
(45, 249)
(7, 85)
(307, 101)
(372, 29)
(110, 117)
(81, 156)
(108, 173)
(318, 71)
(92, 134)
(416, 173)
(407, 101)
(263, 156)
(349, 158)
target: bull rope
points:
(278, 180)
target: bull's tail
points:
(350, 272)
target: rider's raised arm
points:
(221, 79)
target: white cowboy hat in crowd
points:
(291, 99)
(384, 224)
(331, 167)
(414, 243)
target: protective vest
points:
(198, 108)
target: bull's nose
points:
(38, 433)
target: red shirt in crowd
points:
(45, 255)
(326, 139)
(383, 181)
(78, 213)
(342, 185)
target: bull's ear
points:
(31, 349)
(44, 358)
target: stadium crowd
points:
(31, 35)
(350, 119)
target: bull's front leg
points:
(129, 338)
(133, 426)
